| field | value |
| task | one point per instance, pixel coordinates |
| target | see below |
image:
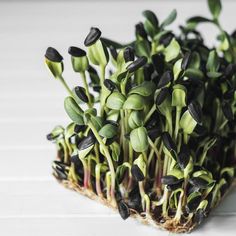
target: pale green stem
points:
(186, 137)
(123, 84)
(146, 200)
(179, 208)
(153, 148)
(165, 203)
(108, 183)
(145, 157)
(107, 156)
(150, 113)
(177, 118)
(85, 166)
(122, 138)
(98, 184)
(131, 154)
(71, 175)
(154, 46)
(169, 122)
(141, 190)
(66, 87)
(223, 124)
(96, 153)
(165, 165)
(163, 199)
(146, 161)
(103, 90)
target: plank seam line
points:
(92, 215)
(27, 179)
(26, 147)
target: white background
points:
(31, 104)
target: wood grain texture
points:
(31, 104)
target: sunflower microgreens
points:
(162, 142)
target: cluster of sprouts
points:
(152, 127)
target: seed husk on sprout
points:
(92, 37)
(153, 134)
(53, 55)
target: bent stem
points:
(179, 208)
(68, 89)
(144, 196)
(108, 158)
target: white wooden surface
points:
(31, 103)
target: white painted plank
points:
(92, 225)
(44, 208)
(46, 197)
(18, 164)
(26, 134)
(27, 198)
(74, 227)
(32, 109)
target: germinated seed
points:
(129, 54)
(186, 60)
(199, 182)
(87, 142)
(199, 216)
(140, 62)
(76, 52)
(168, 142)
(123, 210)
(162, 95)
(158, 61)
(140, 31)
(92, 37)
(195, 111)
(81, 93)
(109, 84)
(169, 180)
(165, 79)
(53, 55)
(227, 110)
(113, 52)
(193, 204)
(137, 173)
